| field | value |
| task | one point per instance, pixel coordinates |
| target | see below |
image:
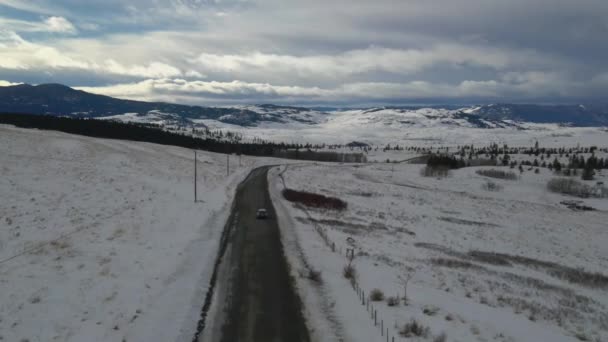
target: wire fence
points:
(344, 250)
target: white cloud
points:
(19, 54)
(28, 5)
(59, 24)
(353, 49)
(152, 70)
(50, 25)
(205, 92)
(162, 88)
(7, 83)
(195, 74)
(372, 59)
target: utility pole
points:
(195, 171)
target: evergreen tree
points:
(588, 172)
(557, 165)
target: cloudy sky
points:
(314, 52)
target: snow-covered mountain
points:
(60, 100)
(55, 99)
(421, 118)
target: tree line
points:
(151, 133)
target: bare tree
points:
(404, 279)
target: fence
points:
(336, 248)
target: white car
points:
(261, 214)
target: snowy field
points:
(100, 239)
(507, 265)
(343, 129)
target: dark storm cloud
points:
(316, 51)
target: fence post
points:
(195, 176)
(375, 317)
(333, 246)
(382, 327)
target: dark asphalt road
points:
(258, 298)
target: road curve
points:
(256, 298)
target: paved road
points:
(259, 302)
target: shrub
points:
(431, 171)
(314, 275)
(588, 173)
(413, 328)
(444, 161)
(441, 338)
(490, 258)
(314, 200)
(453, 263)
(491, 186)
(430, 310)
(475, 330)
(579, 276)
(376, 295)
(493, 173)
(349, 272)
(392, 301)
(569, 187)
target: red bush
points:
(314, 200)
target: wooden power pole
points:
(195, 171)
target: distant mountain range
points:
(60, 100)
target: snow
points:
(422, 127)
(153, 117)
(100, 240)
(401, 221)
(380, 126)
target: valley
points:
(509, 245)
